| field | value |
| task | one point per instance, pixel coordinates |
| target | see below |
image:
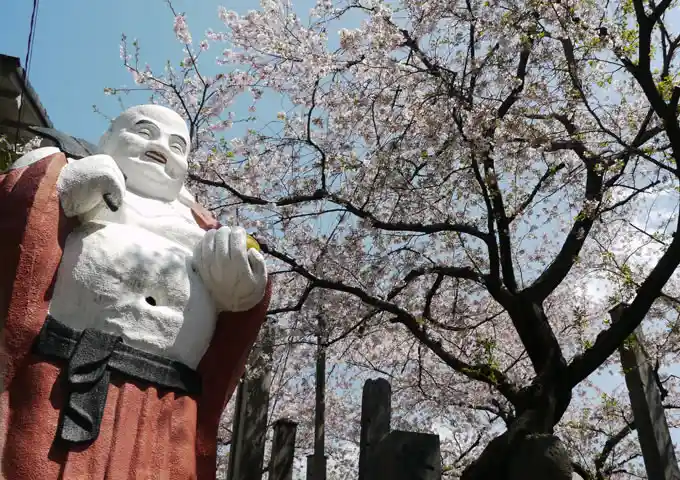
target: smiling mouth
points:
(156, 157)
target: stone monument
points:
(127, 312)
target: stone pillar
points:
(283, 450)
(406, 456)
(249, 432)
(314, 463)
(376, 413)
(239, 412)
(648, 412)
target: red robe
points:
(146, 433)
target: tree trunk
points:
(528, 436)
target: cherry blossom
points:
(463, 189)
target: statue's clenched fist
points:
(83, 183)
(235, 274)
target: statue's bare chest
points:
(130, 273)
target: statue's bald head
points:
(150, 143)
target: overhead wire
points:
(27, 65)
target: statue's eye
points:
(144, 132)
(177, 148)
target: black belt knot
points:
(91, 356)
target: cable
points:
(27, 65)
(31, 36)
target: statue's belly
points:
(131, 282)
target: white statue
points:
(181, 272)
(133, 312)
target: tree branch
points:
(549, 173)
(553, 276)
(481, 372)
(498, 206)
(351, 208)
(609, 340)
(609, 446)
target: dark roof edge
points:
(28, 91)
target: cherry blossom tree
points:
(463, 189)
(11, 150)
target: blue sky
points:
(76, 49)
(76, 54)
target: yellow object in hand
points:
(252, 243)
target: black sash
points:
(91, 356)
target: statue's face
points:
(150, 144)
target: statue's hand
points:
(235, 274)
(83, 183)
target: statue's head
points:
(150, 144)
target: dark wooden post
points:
(246, 457)
(283, 450)
(376, 413)
(648, 412)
